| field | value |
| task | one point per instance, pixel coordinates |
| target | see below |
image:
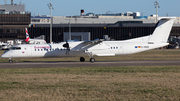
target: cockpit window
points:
(16, 48)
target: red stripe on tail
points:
(27, 40)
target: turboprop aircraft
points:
(33, 41)
(96, 47)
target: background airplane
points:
(8, 45)
(33, 41)
(96, 47)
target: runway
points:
(88, 64)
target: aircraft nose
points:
(4, 55)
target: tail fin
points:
(27, 35)
(162, 30)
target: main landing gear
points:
(92, 60)
(10, 61)
(82, 59)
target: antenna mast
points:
(156, 4)
(50, 7)
(5, 1)
(12, 2)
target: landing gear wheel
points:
(92, 60)
(10, 61)
(82, 59)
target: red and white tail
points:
(27, 35)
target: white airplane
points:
(96, 47)
(33, 41)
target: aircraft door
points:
(120, 48)
(11, 54)
(28, 51)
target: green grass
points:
(91, 83)
(92, 70)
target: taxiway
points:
(88, 64)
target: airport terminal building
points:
(115, 27)
(13, 21)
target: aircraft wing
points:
(86, 45)
(96, 41)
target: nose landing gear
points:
(10, 61)
(92, 60)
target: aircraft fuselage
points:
(106, 48)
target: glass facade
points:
(115, 33)
(12, 26)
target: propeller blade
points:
(66, 52)
(66, 45)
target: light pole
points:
(69, 29)
(69, 38)
(156, 4)
(50, 7)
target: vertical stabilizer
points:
(162, 30)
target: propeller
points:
(66, 45)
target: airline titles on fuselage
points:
(42, 47)
(38, 48)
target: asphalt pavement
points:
(88, 64)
